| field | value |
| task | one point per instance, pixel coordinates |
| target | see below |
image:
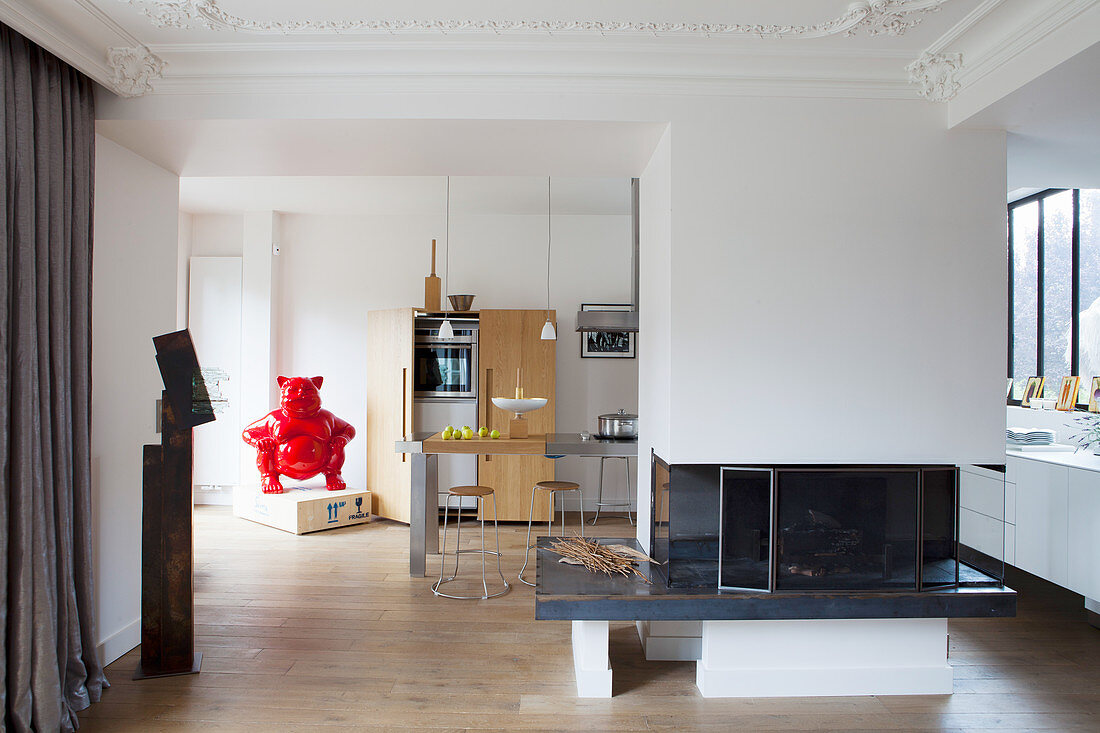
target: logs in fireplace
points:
(809, 528)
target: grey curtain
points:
(48, 664)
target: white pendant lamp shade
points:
(446, 332)
(548, 332)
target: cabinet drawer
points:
(983, 533)
(982, 494)
(1010, 544)
(1012, 464)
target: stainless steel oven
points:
(445, 368)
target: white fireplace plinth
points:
(819, 657)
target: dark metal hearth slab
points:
(568, 592)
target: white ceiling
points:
(1054, 126)
(846, 47)
(246, 148)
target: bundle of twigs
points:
(595, 557)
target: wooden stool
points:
(551, 487)
(480, 492)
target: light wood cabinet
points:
(389, 410)
(507, 340)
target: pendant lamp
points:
(445, 330)
(548, 332)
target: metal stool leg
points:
(458, 534)
(530, 518)
(496, 530)
(600, 503)
(580, 508)
(479, 503)
(629, 515)
(443, 547)
(599, 492)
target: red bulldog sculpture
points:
(300, 439)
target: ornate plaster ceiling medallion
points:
(874, 17)
(934, 75)
(133, 70)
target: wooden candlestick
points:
(432, 288)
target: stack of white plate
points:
(1029, 436)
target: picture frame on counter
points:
(1033, 390)
(1094, 404)
(1067, 396)
(607, 344)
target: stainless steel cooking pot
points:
(620, 424)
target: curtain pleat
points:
(49, 668)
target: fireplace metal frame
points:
(773, 544)
(772, 519)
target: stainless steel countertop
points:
(570, 444)
(557, 444)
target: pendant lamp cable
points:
(445, 329)
(549, 333)
(549, 221)
(447, 288)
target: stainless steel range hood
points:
(619, 321)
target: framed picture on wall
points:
(1067, 396)
(1034, 389)
(607, 344)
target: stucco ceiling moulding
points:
(874, 17)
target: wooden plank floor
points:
(328, 632)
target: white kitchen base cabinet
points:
(1042, 515)
(1056, 509)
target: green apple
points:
(495, 434)
(483, 431)
(467, 433)
(447, 435)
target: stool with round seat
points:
(551, 487)
(480, 492)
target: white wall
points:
(335, 268)
(655, 344)
(134, 275)
(837, 287)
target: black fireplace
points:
(809, 528)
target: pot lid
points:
(620, 415)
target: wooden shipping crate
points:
(302, 509)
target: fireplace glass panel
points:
(745, 540)
(660, 484)
(846, 529)
(939, 567)
(693, 510)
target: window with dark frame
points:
(1054, 290)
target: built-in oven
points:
(445, 368)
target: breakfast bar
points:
(424, 447)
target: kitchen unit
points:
(1049, 517)
(414, 379)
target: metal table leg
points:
(424, 519)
